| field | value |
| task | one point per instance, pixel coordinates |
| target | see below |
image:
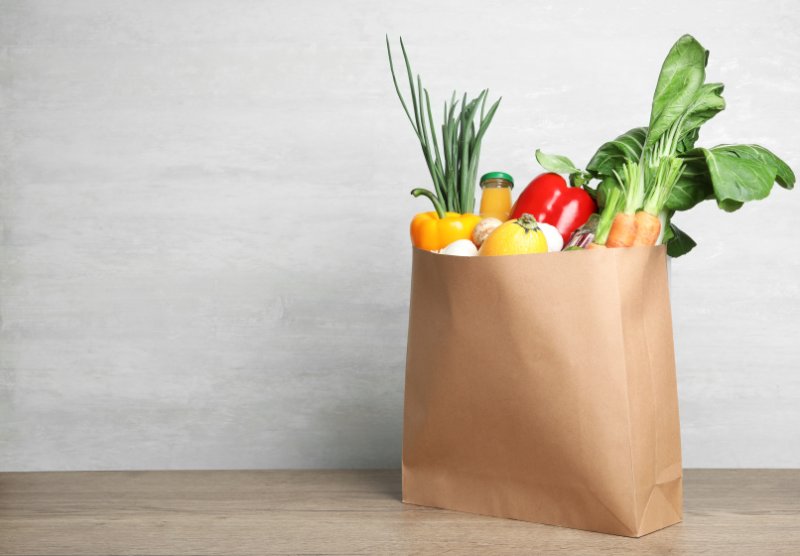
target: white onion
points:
(554, 240)
(460, 248)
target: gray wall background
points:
(204, 212)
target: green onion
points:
(454, 168)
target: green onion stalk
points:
(454, 167)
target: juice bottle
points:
(496, 195)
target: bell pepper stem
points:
(429, 194)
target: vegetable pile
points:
(633, 185)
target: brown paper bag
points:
(542, 388)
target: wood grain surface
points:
(356, 512)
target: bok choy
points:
(678, 174)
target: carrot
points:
(623, 230)
(648, 227)
(613, 204)
(666, 174)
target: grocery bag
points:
(542, 388)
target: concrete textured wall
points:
(204, 208)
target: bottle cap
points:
(498, 176)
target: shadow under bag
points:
(542, 388)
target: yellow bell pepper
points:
(515, 237)
(432, 233)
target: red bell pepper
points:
(549, 199)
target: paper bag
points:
(542, 388)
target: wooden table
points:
(356, 512)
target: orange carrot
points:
(614, 200)
(666, 174)
(648, 227)
(623, 231)
(623, 228)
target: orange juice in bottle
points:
(496, 195)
